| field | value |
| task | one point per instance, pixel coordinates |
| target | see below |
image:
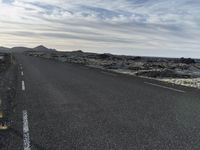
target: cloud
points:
(136, 27)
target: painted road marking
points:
(108, 73)
(165, 87)
(22, 73)
(21, 66)
(23, 86)
(26, 137)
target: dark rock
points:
(137, 58)
(111, 66)
(166, 73)
(187, 60)
(134, 68)
(104, 56)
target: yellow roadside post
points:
(3, 124)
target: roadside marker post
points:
(3, 123)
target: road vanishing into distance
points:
(61, 106)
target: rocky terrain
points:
(183, 71)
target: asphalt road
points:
(72, 107)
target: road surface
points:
(73, 107)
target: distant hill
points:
(20, 49)
(42, 48)
(23, 49)
(4, 49)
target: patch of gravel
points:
(194, 82)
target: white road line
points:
(108, 73)
(22, 73)
(23, 86)
(165, 87)
(21, 66)
(26, 137)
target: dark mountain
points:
(43, 49)
(23, 49)
(20, 49)
(4, 49)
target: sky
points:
(168, 28)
